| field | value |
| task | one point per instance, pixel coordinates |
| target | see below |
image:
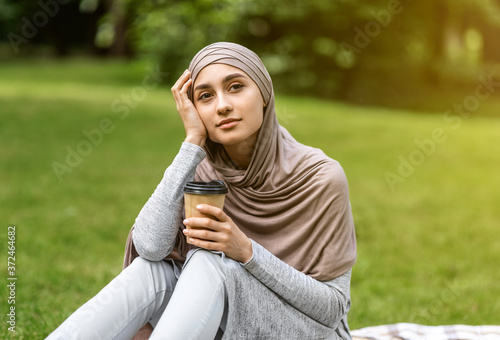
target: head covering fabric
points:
(292, 199)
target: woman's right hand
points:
(196, 132)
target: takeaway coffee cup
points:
(211, 193)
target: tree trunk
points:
(117, 12)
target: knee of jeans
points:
(142, 267)
(141, 262)
(160, 272)
(205, 255)
(206, 259)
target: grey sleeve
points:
(326, 302)
(157, 224)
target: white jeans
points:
(190, 307)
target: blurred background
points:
(334, 49)
(404, 94)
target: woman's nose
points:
(223, 104)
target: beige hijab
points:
(292, 199)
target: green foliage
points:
(294, 41)
(173, 31)
(383, 52)
(368, 52)
(427, 252)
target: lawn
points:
(84, 143)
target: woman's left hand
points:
(221, 235)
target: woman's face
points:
(229, 103)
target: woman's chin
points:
(226, 141)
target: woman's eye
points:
(204, 96)
(236, 86)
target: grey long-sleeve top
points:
(157, 225)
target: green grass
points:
(427, 250)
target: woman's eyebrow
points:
(202, 87)
(232, 76)
(225, 80)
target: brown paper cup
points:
(211, 193)
(192, 200)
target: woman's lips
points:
(228, 124)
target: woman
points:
(275, 263)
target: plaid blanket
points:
(411, 331)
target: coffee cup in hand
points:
(211, 193)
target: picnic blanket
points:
(411, 331)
